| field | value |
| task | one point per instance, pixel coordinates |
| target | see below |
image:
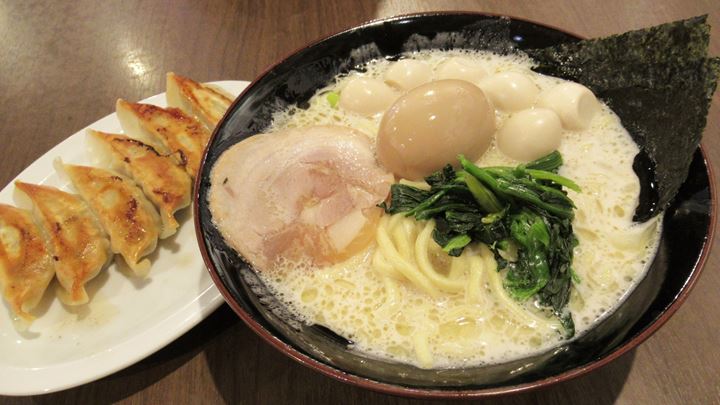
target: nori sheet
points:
(660, 82)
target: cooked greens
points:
(521, 208)
(659, 81)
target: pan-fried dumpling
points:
(127, 216)
(26, 266)
(79, 246)
(168, 130)
(201, 101)
(164, 182)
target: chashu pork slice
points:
(306, 194)
(123, 210)
(168, 130)
(79, 246)
(164, 182)
(205, 103)
(26, 265)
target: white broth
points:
(471, 320)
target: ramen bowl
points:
(684, 245)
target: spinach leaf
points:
(404, 198)
(524, 205)
(531, 272)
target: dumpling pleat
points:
(79, 246)
(165, 183)
(26, 266)
(168, 130)
(123, 210)
(205, 103)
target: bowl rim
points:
(453, 393)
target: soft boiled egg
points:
(510, 91)
(430, 125)
(406, 74)
(461, 69)
(574, 103)
(530, 134)
(367, 96)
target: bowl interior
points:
(293, 81)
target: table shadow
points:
(246, 369)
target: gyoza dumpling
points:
(164, 182)
(79, 245)
(201, 101)
(167, 130)
(26, 266)
(123, 210)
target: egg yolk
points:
(430, 125)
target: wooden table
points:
(63, 64)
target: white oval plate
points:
(126, 320)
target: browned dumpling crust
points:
(166, 184)
(79, 246)
(123, 210)
(201, 101)
(26, 266)
(169, 130)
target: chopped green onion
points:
(333, 98)
(575, 277)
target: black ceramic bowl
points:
(683, 249)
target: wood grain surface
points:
(64, 63)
